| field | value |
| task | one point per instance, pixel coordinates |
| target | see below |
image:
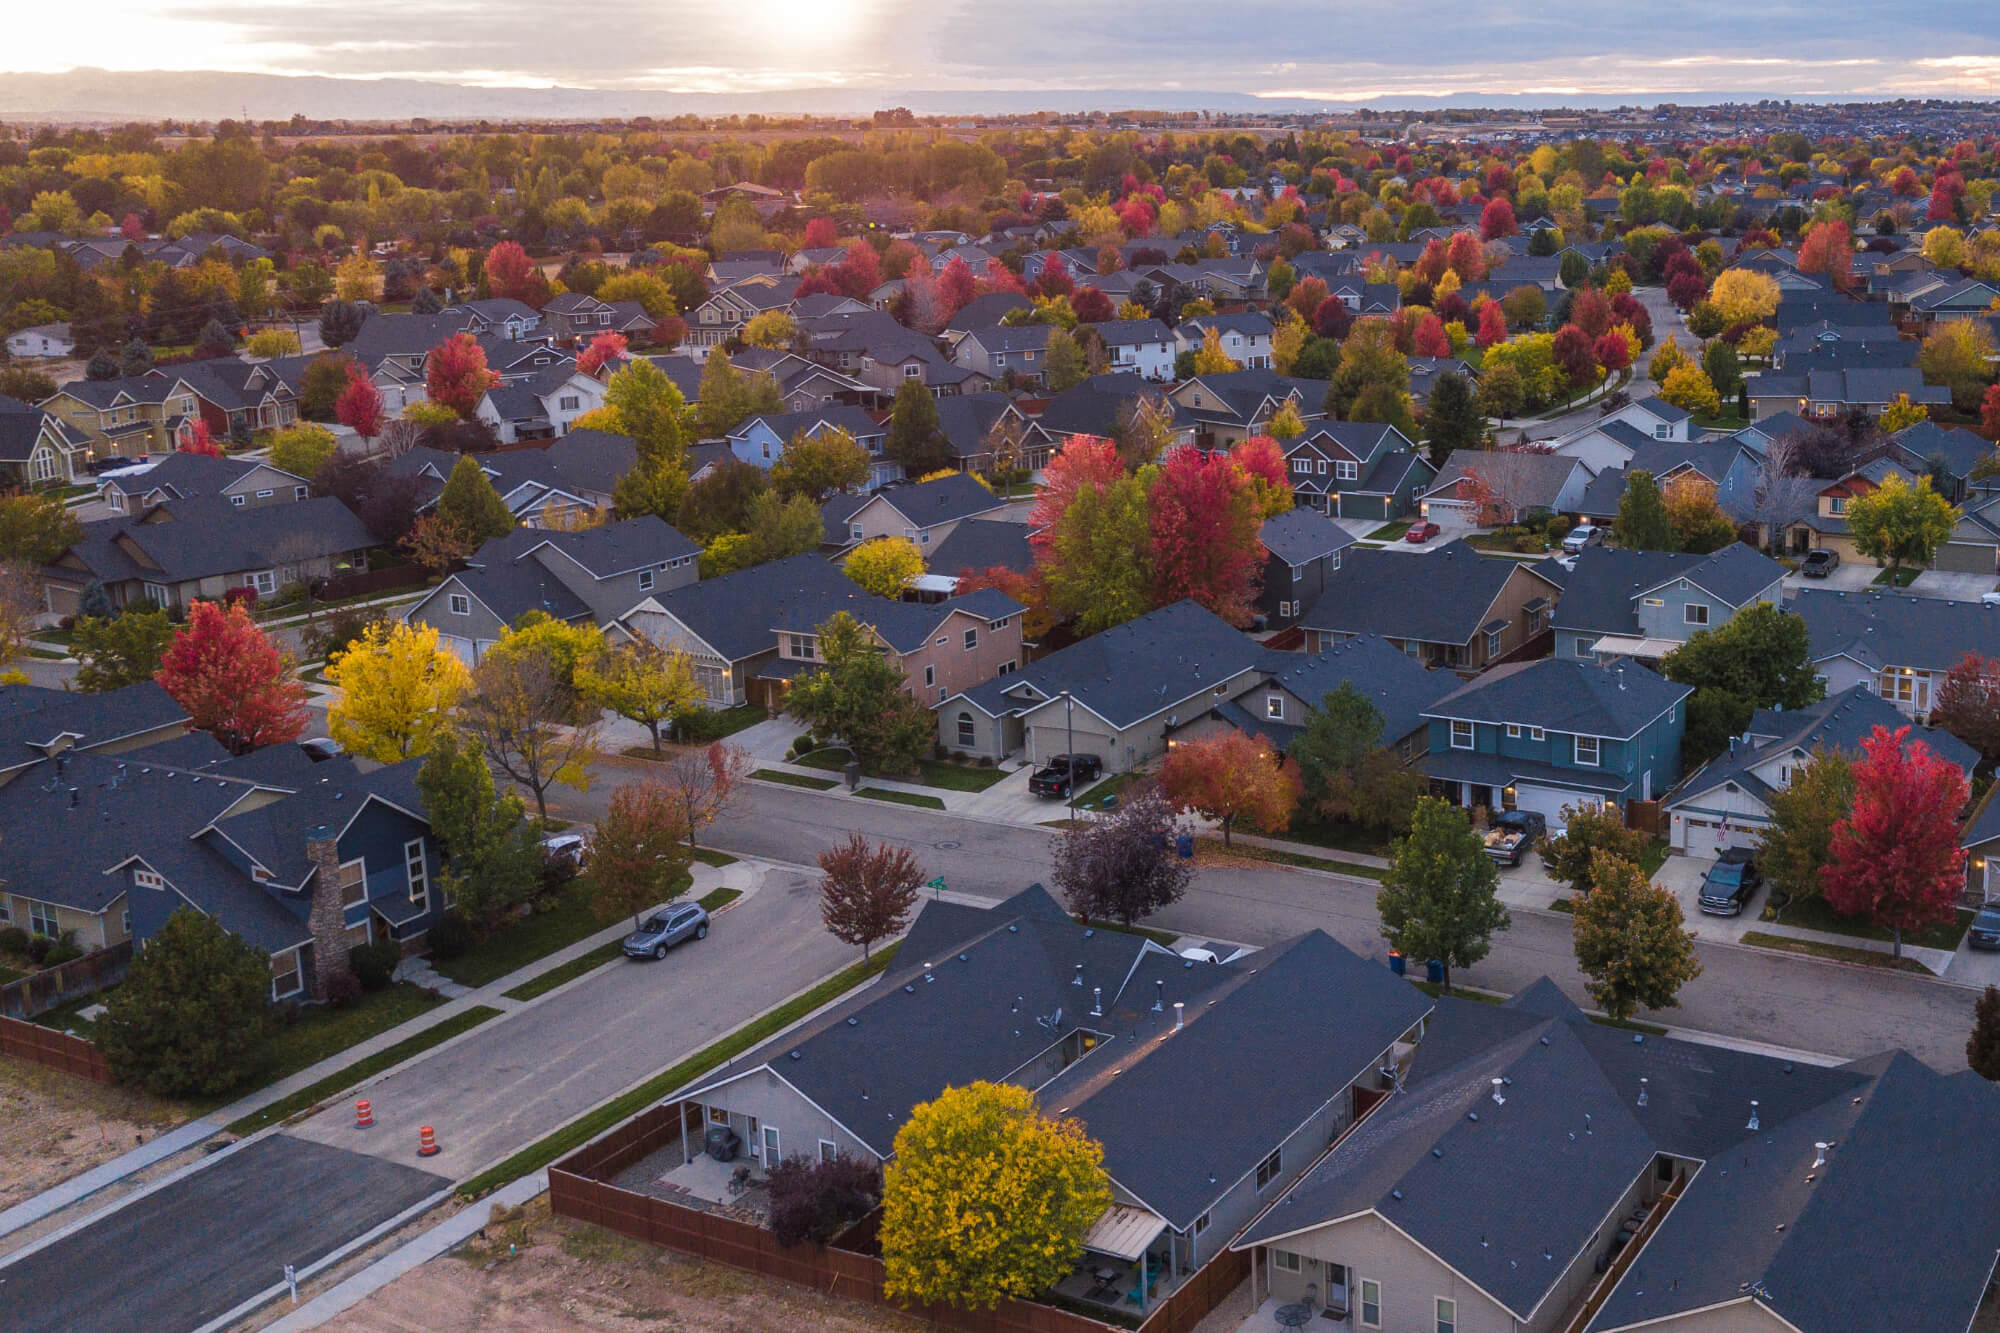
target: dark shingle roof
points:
(1441, 597)
(1401, 689)
(1840, 722)
(1567, 696)
(33, 717)
(737, 614)
(206, 535)
(604, 551)
(929, 503)
(983, 543)
(1888, 630)
(1299, 535)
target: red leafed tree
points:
(1497, 220)
(1000, 278)
(1431, 339)
(1904, 184)
(820, 233)
(1203, 518)
(232, 680)
(868, 891)
(131, 228)
(1465, 256)
(456, 375)
(1091, 305)
(1989, 413)
(1492, 325)
(702, 783)
(1573, 353)
(923, 301)
(1829, 248)
(1896, 860)
(1944, 202)
(956, 285)
(509, 271)
(359, 407)
(1231, 777)
(1026, 587)
(1489, 508)
(1332, 319)
(1684, 289)
(200, 441)
(1086, 460)
(607, 346)
(1306, 296)
(1431, 264)
(1968, 703)
(1613, 352)
(1262, 459)
(860, 272)
(1591, 312)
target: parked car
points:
(664, 929)
(1990, 598)
(1587, 534)
(1062, 772)
(1819, 562)
(1420, 533)
(1730, 883)
(319, 749)
(1512, 833)
(1984, 933)
(568, 847)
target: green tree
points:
(194, 1017)
(122, 650)
(727, 398)
(1451, 421)
(1369, 362)
(1901, 523)
(777, 528)
(1643, 523)
(642, 682)
(819, 464)
(659, 489)
(1097, 566)
(302, 449)
(1724, 370)
(1501, 392)
(1761, 658)
(719, 500)
(1630, 941)
(471, 505)
(492, 861)
(1064, 362)
(859, 696)
(1338, 735)
(986, 1199)
(640, 401)
(1571, 858)
(1437, 899)
(916, 436)
(1797, 845)
(35, 528)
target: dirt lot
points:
(53, 1126)
(537, 1273)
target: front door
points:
(771, 1157)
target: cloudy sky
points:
(1332, 49)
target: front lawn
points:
(930, 772)
(522, 941)
(1839, 953)
(1898, 578)
(716, 724)
(1111, 786)
(1817, 914)
(346, 1077)
(793, 779)
(318, 1031)
(1213, 847)
(902, 798)
(1339, 835)
(1391, 532)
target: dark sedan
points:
(1984, 933)
(1730, 883)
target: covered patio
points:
(1127, 1262)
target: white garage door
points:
(1457, 511)
(1705, 837)
(1548, 802)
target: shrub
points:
(374, 964)
(62, 951)
(1559, 527)
(240, 593)
(38, 949)
(13, 940)
(194, 1017)
(342, 989)
(814, 1201)
(450, 937)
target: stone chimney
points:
(327, 919)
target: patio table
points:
(1294, 1316)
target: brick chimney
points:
(327, 918)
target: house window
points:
(1267, 1170)
(569, 402)
(1534, 733)
(967, 734)
(1285, 1261)
(911, 371)
(158, 595)
(1696, 613)
(1899, 685)
(1302, 465)
(265, 495)
(1371, 1303)
(1659, 432)
(1336, 559)
(265, 581)
(1653, 601)
(42, 920)
(1201, 1224)
(461, 604)
(828, 1150)
(1493, 642)
(147, 879)
(1836, 504)
(353, 882)
(299, 492)
(1345, 469)
(1322, 467)
(1587, 748)
(1461, 735)
(645, 579)
(1447, 1316)
(1513, 731)
(930, 676)
(971, 639)
(236, 500)
(1005, 667)
(854, 531)
(418, 873)
(285, 974)
(803, 646)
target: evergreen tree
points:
(471, 505)
(1437, 900)
(1643, 523)
(1451, 421)
(916, 436)
(194, 1017)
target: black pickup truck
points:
(1064, 770)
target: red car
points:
(1420, 533)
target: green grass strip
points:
(708, 856)
(902, 798)
(307, 1097)
(1255, 853)
(717, 899)
(588, 1126)
(794, 779)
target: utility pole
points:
(1069, 758)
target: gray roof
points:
(604, 551)
(904, 626)
(840, 416)
(34, 718)
(983, 543)
(588, 461)
(1299, 535)
(206, 535)
(947, 499)
(1664, 410)
(737, 614)
(1526, 481)
(1601, 593)
(1735, 574)
(1399, 686)
(1441, 597)
(1960, 449)
(184, 474)
(1567, 696)
(512, 588)
(1877, 629)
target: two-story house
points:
(1231, 407)
(924, 512)
(1143, 347)
(543, 405)
(576, 318)
(1301, 548)
(941, 647)
(1021, 349)
(761, 440)
(1727, 801)
(180, 476)
(1453, 608)
(501, 317)
(732, 305)
(593, 576)
(1835, 392)
(1188, 1073)
(1825, 524)
(1644, 604)
(560, 482)
(1496, 486)
(37, 448)
(1357, 469)
(1543, 735)
(1899, 646)
(153, 413)
(1245, 337)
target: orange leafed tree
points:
(510, 273)
(456, 376)
(1085, 461)
(1829, 248)
(200, 441)
(604, 347)
(232, 679)
(1232, 777)
(1203, 517)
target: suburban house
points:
(153, 413)
(1487, 487)
(1143, 347)
(37, 723)
(1542, 735)
(994, 352)
(243, 482)
(1187, 1073)
(1301, 548)
(184, 550)
(1603, 445)
(1727, 801)
(1677, 1187)
(1104, 405)
(975, 424)
(1452, 608)
(572, 476)
(1231, 407)
(1824, 524)
(1733, 466)
(925, 512)
(42, 340)
(941, 647)
(237, 398)
(37, 448)
(981, 543)
(1897, 645)
(761, 440)
(576, 318)
(542, 405)
(1644, 604)
(1357, 469)
(1115, 694)
(1274, 705)
(1653, 416)
(591, 576)
(500, 317)
(1835, 393)
(1245, 337)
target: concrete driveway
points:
(1683, 875)
(1848, 576)
(1952, 587)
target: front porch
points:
(1128, 1263)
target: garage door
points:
(1705, 837)
(1966, 558)
(1458, 511)
(1548, 802)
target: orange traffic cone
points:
(427, 1144)
(364, 1114)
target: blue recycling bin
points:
(1397, 963)
(1434, 972)
(1184, 845)
(1110, 802)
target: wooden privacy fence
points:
(1645, 817)
(40, 992)
(57, 1050)
(579, 1189)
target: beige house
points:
(152, 413)
(923, 512)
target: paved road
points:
(203, 1245)
(1666, 320)
(1743, 992)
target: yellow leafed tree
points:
(642, 682)
(1210, 359)
(886, 565)
(397, 691)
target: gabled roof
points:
(1664, 410)
(206, 535)
(1399, 686)
(944, 500)
(1299, 535)
(512, 588)
(983, 543)
(583, 462)
(1960, 449)
(605, 551)
(1616, 702)
(834, 416)
(1441, 597)
(34, 719)
(1526, 481)
(736, 614)
(1877, 630)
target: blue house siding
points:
(1655, 750)
(378, 838)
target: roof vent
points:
(927, 973)
(1642, 1092)
(1753, 1116)
(965, 958)
(1819, 1153)
(797, 1056)
(1177, 1015)
(1013, 930)
(1498, 1100)
(1638, 1039)
(1545, 1041)
(854, 1022)
(909, 989)
(1396, 1194)
(1088, 933)
(1472, 1116)
(1438, 1153)
(1077, 980)
(1159, 997)
(1097, 1001)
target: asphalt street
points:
(1743, 992)
(209, 1241)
